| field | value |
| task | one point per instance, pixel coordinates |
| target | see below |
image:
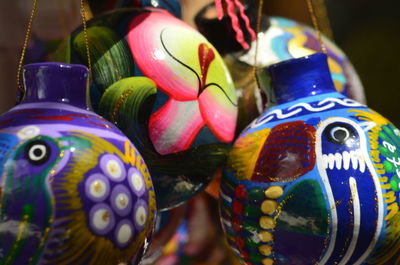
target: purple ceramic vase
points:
(73, 188)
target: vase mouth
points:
(301, 77)
(56, 82)
(78, 67)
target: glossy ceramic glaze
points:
(73, 188)
(313, 180)
(166, 87)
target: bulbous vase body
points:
(73, 188)
(166, 87)
(313, 180)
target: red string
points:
(245, 19)
(220, 9)
(231, 5)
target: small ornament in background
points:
(73, 188)
(278, 39)
(314, 179)
(167, 88)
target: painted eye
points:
(340, 133)
(37, 152)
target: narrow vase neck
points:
(303, 77)
(56, 82)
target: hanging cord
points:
(27, 37)
(316, 25)
(24, 47)
(322, 15)
(258, 28)
(85, 34)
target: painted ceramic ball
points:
(167, 88)
(73, 188)
(315, 179)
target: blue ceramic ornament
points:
(73, 188)
(315, 179)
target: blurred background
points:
(368, 31)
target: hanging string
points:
(85, 34)
(24, 47)
(27, 37)
(258, 28)
(316, 25)
(322, 16)
(231, 4)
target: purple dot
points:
(97, 187)
(124, 233)
(121, 200)
(112, 167)
(102, 219)
(136, 181)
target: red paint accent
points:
(236, 224)
(241, 192)
(206, 56)
(6, 121)
(100, 125)
(287, 154)
(240, 242)
(237, 208)
(244, 254)
(52, 118)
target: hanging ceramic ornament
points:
(73, 188)
(313, 180)
(166, 225)
(278, 39)
(167, 88)
(100, 6)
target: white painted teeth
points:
(345, 160)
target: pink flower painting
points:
(188, 69)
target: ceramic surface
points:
(315, 179)
(168, 89)
(73, 188)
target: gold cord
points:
(258, 28)
(315, 23)
(25, 46)
(85, 34)
(322, 15)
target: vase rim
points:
(56, 64)
(313, 56)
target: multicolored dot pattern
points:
(249, 218)
(116, 200)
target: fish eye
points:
(340, 133)
(37, 152)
